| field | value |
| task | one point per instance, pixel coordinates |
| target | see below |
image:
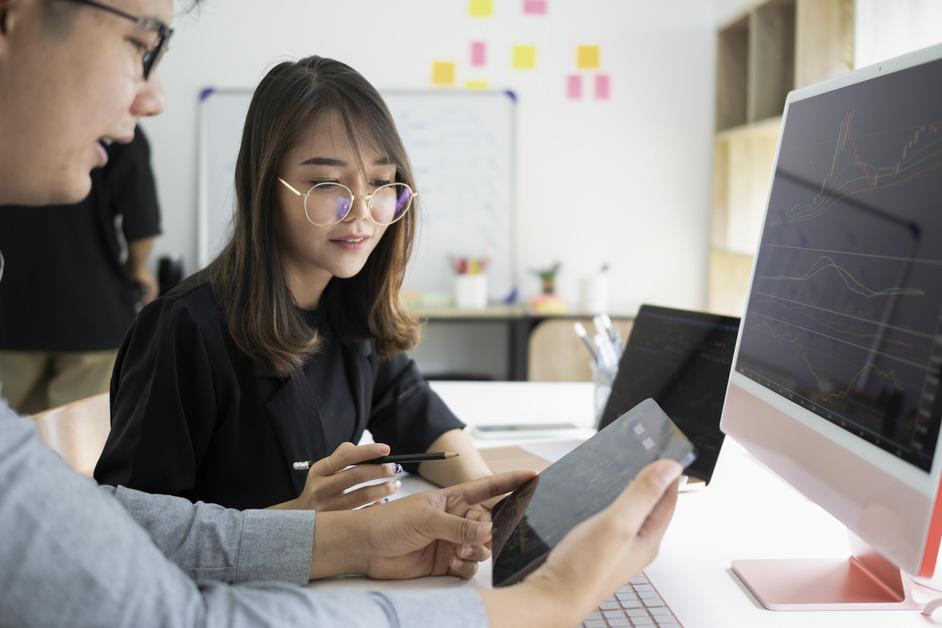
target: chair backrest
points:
(555, 353)
(77, 431)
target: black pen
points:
(401, 459)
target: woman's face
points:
(324, 154)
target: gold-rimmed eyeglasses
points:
(328, 203)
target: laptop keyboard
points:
(636, 604)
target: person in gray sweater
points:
(75, 75)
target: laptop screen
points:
(682, 360)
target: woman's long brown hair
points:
(247, 277)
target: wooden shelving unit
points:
(774, 47)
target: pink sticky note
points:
(602, 86)
(534, 7)
(574, 87)
(478, 53)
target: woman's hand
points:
(329, 477)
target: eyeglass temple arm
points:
(288, 185)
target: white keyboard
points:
(636, 604)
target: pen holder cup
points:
(593, 293)
(471, 291)
(601, 389)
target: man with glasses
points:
(75, 74)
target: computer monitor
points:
(681, 359)
(835, 382)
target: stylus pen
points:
(401, 459)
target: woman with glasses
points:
(289, 344)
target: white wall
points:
(889, 29)
(624, 181)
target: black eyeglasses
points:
(151, 55)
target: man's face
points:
(64, 89)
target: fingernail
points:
(671, 471)
(398, 468)
(390, 468)
(385, 500)
(395, 486)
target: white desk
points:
(746, 512)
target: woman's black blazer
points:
(191, 415)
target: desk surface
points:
(507, 312)
(746, 512)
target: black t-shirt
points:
(327, 374)
(64, 286)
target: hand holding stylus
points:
(329, 478)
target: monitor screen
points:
(682, 360)
(844, 316)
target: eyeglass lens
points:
(329, 203)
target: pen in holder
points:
(605, 348)
(602, 379)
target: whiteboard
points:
(461, 144)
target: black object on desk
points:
(529, 522)
(682, 360)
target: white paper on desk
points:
(551, 451)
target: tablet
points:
(529, 522)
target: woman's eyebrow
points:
(323, 161)
(330, 161)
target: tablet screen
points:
(530, 521)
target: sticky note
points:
(475, 84)
(481, 8)
(478, 53)
(602, 87)
(524, 57)
(443, 73)
(587, 57)
(534, 7)
(574, 87)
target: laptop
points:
(682, 360)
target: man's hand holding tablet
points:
(581, 529)
(595, 558)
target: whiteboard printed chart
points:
(462, 149)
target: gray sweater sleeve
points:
(72, 555)
(211, 542)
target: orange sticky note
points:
(481, 8)
(475, 84)
(588, 57)
(443, 73)
(524, 57)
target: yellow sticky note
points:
(475, 84)
(588, 58)
(481, 8)
(524, 57)
(443, 73)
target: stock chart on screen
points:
(845, 313)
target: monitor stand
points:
(865, 581)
